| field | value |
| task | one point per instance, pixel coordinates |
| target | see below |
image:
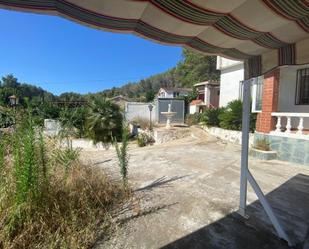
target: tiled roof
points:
(197, 102)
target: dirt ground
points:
(186, 195)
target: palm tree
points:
(104, 121)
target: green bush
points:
(231, 117)
(104, 121)
(211, 116)
(6, 117)
(74, 120)
(143, 139)
(194, 119)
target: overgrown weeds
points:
(144, 139)
(122, 154)
(262, 144)
(48, 198)
(142, 123)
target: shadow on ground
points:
(290, 202)
(161, 182)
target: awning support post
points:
(244, 146)
(245, 174)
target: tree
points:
(195, 68)
(150, 95)
(104, 121)
(10, 81)
(74, 120)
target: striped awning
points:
(238, 29)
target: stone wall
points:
(228, 135)
(163, 135)
(288, 149)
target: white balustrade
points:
(278, 125)
(288, 116)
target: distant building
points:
(119, 100)
(208, 96)
(173, 92)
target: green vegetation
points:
(211, 116)
(49, 199)
(104, 121)
(122, 154)
(9, 85)
(6, 117)
(229, 118)
(144, 139)
(194, 119)
(193, 68)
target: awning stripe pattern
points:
(121, 24)
(287, 55)
(296, 10)
(224, 22)
(232, 30)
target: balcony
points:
(291, 125)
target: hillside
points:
(191, 69)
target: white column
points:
(288, 125)
(278, 125)
(300, 126)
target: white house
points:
(231, 76)
(173, 92)
(232, 73)
(280, 96)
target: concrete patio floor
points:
(186, 196)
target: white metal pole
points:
(245, 174)
(244, 147)
(269, 211)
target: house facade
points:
(208, 96)
(173, 92)
(280, 97)
(231, 74)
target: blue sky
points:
(60, 55)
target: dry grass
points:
(262, 144)
(143, 123)
(73, 212)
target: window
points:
(176, 94)
(302, 87)
(256, 93)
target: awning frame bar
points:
(245, 174)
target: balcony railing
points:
(286, 118)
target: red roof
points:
(196, 102)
